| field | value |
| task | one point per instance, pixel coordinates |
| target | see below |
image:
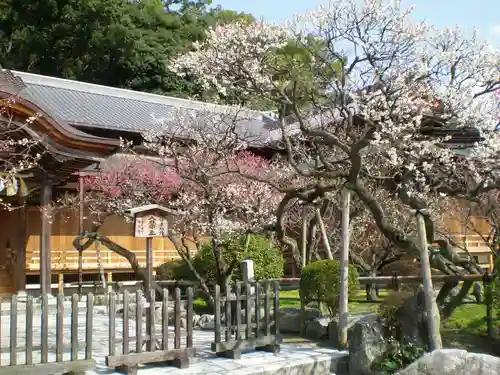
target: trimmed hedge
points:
(320, 282)
(268, 260)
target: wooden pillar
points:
(20, 272)
(45, 235)
(80, 228)
(149, 267)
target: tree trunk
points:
(371, 291)
(432, 312)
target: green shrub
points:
(397, 357)
(174, 270)
(268, 260)
(390, 306)
(320, 282)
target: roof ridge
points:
(68, 84)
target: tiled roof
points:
(89, 105)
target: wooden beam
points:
(245, 345)
(68, 367)
(45, 234)
(135, 359)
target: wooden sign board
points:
(151, 224)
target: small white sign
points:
(152, 224)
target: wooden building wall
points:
(12, 239)
(65, 257)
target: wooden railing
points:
(25, 357)
(35, 340)
(157, 346)
(67, 260)
(232, 336)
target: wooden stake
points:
(323, 234)
(304, 242)
(430, 302)
(344, 269)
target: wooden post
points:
(217, 314)
(488, 294)
(149, 267)
(323, 234)
(13, 330)
(74, 327)
(29, 330)
(304, 242)
(59, 328)
(21, 247)
(45, 235)
(344, 269)
(80, 227)
(60, 282)
(248, 274)
(238, 311)
(430, 302)
(89, 327)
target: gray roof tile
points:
(84, 104)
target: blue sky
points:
(483, 14)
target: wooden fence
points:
(35, 338)
(29, 359)
(232, 336)
(157, 346)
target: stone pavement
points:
(293, 355)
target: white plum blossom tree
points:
(400, 95)
(20, 151)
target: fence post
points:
(247, 271)
(489, 301)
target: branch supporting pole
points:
(304, 242)
(344, 269)
(432, 312)
(323, 234)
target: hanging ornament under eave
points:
(11, 186)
